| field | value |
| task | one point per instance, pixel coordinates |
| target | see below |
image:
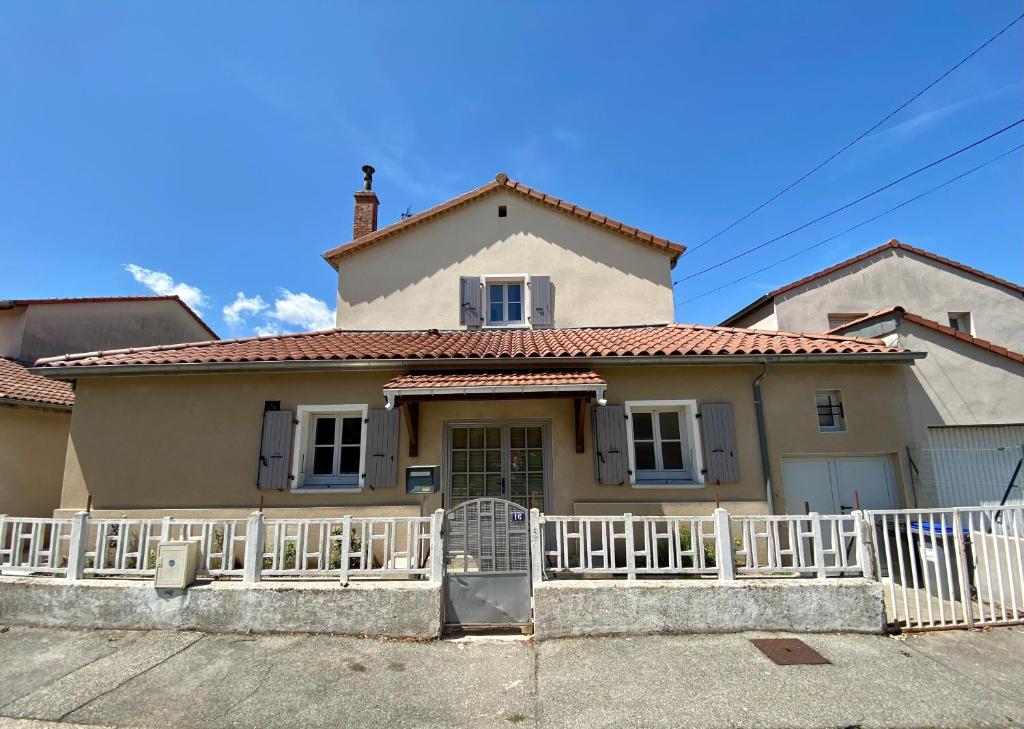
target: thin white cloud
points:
(162, 284)
(236, 311)
(301, 312)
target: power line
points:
(861, 224)
(851, 203)
(886, 118)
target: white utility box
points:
(176, 564)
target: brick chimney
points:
(364, 221)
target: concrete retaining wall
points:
(573, 608)
(392, 609)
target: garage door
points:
(826, 484)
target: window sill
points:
(326, 489)
(516, 325)
(672, 485)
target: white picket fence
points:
(722, 545)
(253, 549)
(952, 567)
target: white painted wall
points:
(411, 281)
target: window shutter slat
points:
(470, 301)
(275, 443)
(611, 462)
(719, 435)
(541, 302)
(381, 448)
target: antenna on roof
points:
(408, 213)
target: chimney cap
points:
(368, 177)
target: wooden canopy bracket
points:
(412, 426)
(579, 420)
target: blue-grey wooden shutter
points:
(274, 446)
(381, 448)
(721, 464)
(470, 301)
(541, 302)
(611, 461)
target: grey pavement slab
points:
(168, 679)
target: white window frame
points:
(689, 431)
(306, 414)
(523, 279)
(840, 418)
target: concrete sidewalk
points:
(182, 679)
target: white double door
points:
(833, 484)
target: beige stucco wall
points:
(959, 383)
(192, 441)
(32, 445)
(411, 281)
(12, 324)
(54, 329)
(895, 278)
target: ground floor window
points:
(329, 446)
(503, 460)
(663, 438)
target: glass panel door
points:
(476, 463)
(526, 466)
(507, 461)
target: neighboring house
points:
(520, 344)
(35, 412)
(924, 283)
(967, 396)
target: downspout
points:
(762, 437)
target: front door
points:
(487, 563)
(499, 460)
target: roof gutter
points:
(15, 402)
(465, 363)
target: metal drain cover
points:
(789, 652)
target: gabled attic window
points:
(503, 211)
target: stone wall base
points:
(571, 608)
(391, 609)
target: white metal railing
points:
(822, 545)
(34, 545)
(253, 548)
(629, 545)
(818, 545)
(347, 547)
(951, 567)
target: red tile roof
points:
(525, 378)
(17, 383)
(931, 324)
(14, 303)
(502, 182)
(891, 245)
(338, 344)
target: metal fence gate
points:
(487, 564)
(950, 568)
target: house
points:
(967, 394)
(35, 412)
(504, 343)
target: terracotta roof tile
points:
(501, 182)
(17, 383)
(933, 325)
(523, 378)
(339, 344)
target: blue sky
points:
(212, 148)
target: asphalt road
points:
(182, 679)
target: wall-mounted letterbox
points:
(422, 479)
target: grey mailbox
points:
(422, 479)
